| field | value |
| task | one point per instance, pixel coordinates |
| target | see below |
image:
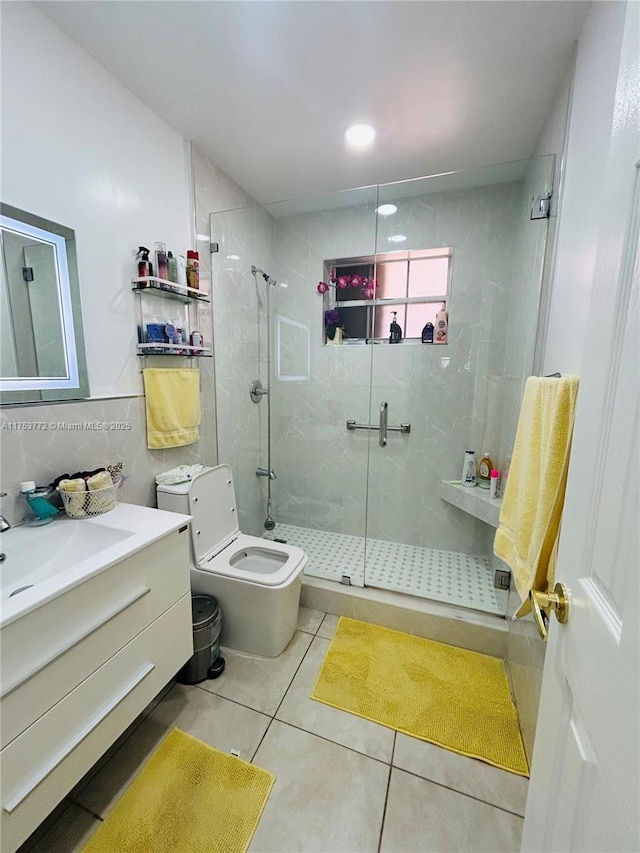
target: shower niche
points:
(369, 512)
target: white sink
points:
(34, 554)
(41, 563)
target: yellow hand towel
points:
(173, 406)
(527, 534)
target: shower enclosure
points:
(361, 432)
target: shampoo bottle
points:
(442, 325)
(469, 469)
(395, 332)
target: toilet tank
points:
(174, 498)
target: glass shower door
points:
(466, 241)
(319, 378)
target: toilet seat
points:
(258, 561)
(218, 545)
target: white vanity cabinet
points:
(77, 670)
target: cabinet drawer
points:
(55, 647)
(42, 765)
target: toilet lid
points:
(212, 503)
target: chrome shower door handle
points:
(384, 412)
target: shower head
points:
(267, 278)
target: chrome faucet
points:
(4, 524)
(263, 472)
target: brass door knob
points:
(558, 601)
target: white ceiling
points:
(267, 88)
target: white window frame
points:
(387, 258)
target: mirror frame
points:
(75, 385)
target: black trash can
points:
(207, 624)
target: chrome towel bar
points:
(402, 428)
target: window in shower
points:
(414, 284)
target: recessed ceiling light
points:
(397, 238)
(233, 257)
(386, 209)
(283, 284)
(359, 135)
(202, 238)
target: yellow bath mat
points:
(189, 797)
(442, 694)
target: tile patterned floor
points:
(343, 783)
(446, 576)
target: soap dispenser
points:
(395, 332)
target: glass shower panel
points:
(316, 384)
(455, 396)
(242, 237)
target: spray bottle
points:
(145, 268)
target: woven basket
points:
(89, 503)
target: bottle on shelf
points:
(162, 270)
(494, 488)
(485, 466)
(196, 340)
(193, 269)
(442, 325)
(395, 332)
(427, 334)
(182, 270)
(469, 469)
(172, 267)
(145, 267)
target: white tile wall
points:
(42, 455)
(98, 177)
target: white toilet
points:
(257, 581)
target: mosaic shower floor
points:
(445, 576)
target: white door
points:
(584, 792)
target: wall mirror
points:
(42, 356)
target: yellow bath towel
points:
(173, 406)
(526, 538)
